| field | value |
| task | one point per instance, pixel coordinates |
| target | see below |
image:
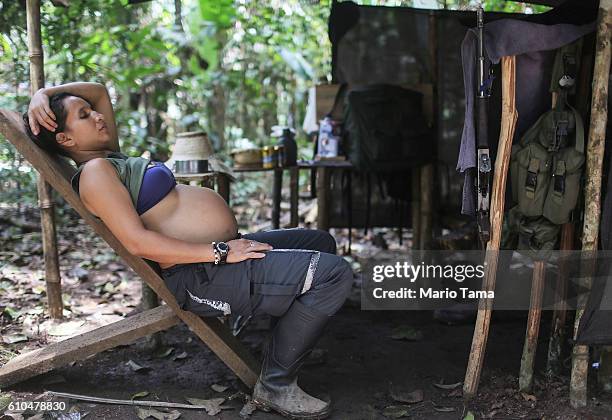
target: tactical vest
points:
(130, 170)
(546, 166)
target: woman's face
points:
(85, 128)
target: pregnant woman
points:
(192, 234)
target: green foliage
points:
(233, 68)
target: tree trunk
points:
(592, 192)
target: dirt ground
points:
(359, 368)
(357, 364)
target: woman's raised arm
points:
(94, 93)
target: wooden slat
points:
(57, 172)
(84, 345)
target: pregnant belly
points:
(192, 214)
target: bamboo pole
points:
(45, 199)
(533, 326)
(592, 193)
(483, 319)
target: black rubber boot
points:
(292, 340)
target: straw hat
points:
(195, 145)
(192, 145)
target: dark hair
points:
(45, 138)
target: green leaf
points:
(397, 411)
(141, 394)
(405, 332)
(14, 314)
(7, 51)
(219, 12)
(469, 416)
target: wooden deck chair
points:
(57, 172)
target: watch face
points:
(222, 246)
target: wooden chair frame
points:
(57, 172)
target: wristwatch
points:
(221, 249)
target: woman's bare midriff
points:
(192, 214)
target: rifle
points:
(483, 159)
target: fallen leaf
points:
(13, 313)
(212, 406)
(218, 388)
(408, 333)
(79, 273)
(14, 338)
(528, 397)
(145, 413)
(141, 394)
(396, 411)
(39, 290)
(65, 328)
(238, 394)
(5, 400)
(180, 356)
(401, 395)
(136, 367)
(469, 416)
(248, 409)
(448, 386)
(164, 353)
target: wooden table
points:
(323, 168)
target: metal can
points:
(269, 157)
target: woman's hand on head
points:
(39, 113)
(244, 249)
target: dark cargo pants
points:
(302, 265)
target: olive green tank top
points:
(130, 170)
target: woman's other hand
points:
(39, 113)
(244, 249)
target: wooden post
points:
(483, 319)
(416, 208)
(557, 334)
(45, 199)
(223, 186)
(533, 326)
(427, 174)
(276, 198)
(322, 198)
(592, 193)
(294, 175)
